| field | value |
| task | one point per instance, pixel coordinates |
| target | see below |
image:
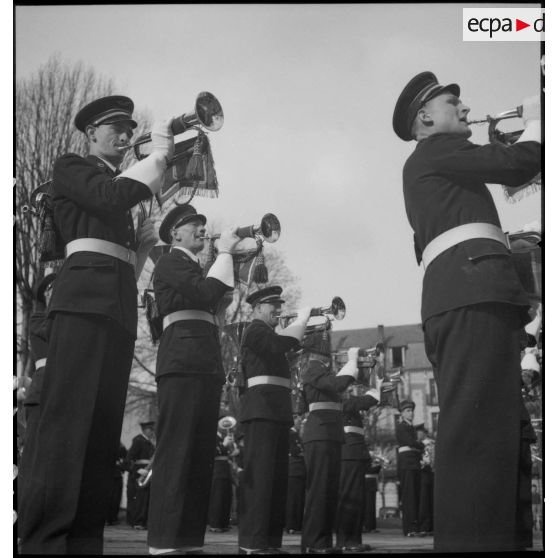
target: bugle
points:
(498, 136)
(269, 229)
(367, 360)
(207, 114)
(337, 310)
(513, 113)
(227, 423)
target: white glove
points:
(531, 119)
(162, 138)
(352, 353)
(351, 368)
(297, 328)
(228, 240)
(303, 314)
(375, 393)
(534, 327)
(531, 109)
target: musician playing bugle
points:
(190, 376)
(266, 416)
(94, 310)
(473, 308)
(354, 459)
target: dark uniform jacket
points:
(297, 467)
(406, 435)
(320, 385)
(90, 203)
(263, 354)
(354, 446)
(444, 187)
(39, 328)
(187, 346)
(141, 449)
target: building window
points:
(397, 357)
(432, 394)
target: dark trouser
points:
(323, 466)
(140, 507)
(29, 440)
(64, 498)
(409, 484)
(183, 463)
(475, 352)
(350, 511)
(219, 513)
(264, 484)
(426, 500)
(131, 489)
(115, 497)
(295, 503)
(370, 490)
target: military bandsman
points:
(354, 459)
(473, 309)
(94, 312)
(190, 376)
(266, 416)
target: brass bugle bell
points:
(227, 423)
(269, 229)
(367, 360)
(207, 114)
(513, 113)
(337, 310)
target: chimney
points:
(381, 334)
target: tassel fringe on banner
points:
(514, 195)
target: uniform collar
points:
(104, 162)
(191, 255)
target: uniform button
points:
(128, 244)
(129, 227)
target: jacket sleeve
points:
(493, 163)
(319, 377)
(188, 280)
(360, 403)
(93, 189)
(262, 339)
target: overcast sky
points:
(308, 93)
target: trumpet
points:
(269, 229)
(207, 113)
(227, 423)
(513, 113)
(337, 310)
(368, 360)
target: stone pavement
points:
(123, 540)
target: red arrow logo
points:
(519, 25)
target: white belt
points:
(101, 247)
(459, 234)
(221, 458)
(188, 315)
(354, 430)
(370, 476)
(274, 380)
(325, 406)
(142, 462)
(403, 449)
(40, 363)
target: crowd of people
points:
(473, 312)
